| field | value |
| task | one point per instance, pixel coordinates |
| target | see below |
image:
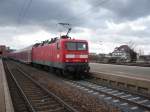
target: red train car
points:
(3, 50)
(23, 55)
(64, 54)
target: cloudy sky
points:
(104, 23)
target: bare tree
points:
(132, 45)
(132, 51)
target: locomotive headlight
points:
(70, 56)
(83, 56)
(67, 60)
(86, 60)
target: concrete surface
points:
(5, 99)
(133, 71)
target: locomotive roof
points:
(56, 39)
(73, 40)
(46, 42)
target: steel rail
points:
(116, 97)
(108, 94)
(146, 95)
(52, 94)
(68, 107)
(20, 89)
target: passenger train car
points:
(64, 54)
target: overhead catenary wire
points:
(20, 11)
(66, 20)
(87, 11)
(24, 10)
(27, 8)
(27, 5)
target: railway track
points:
(18, 100)
(124, 100)
(30, 96)
(127, 102)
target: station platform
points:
(5, 98)
(126, 77)
(137, 72)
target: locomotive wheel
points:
(52, 70)
(77, 75)
(58, 72)
(65, 73)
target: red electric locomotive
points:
(66, 54)
(63, 54)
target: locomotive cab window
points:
(70, 46)
(81, 46)
(76, 46)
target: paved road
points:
(134, 71)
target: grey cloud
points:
(45, 13)
(124, 9)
